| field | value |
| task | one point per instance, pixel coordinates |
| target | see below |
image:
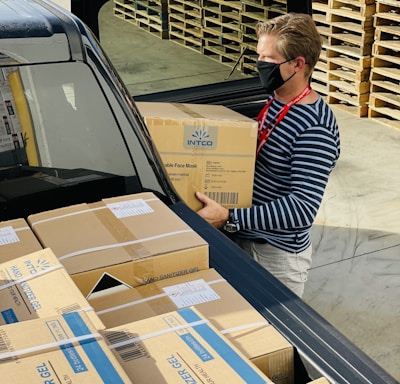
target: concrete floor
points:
(355, 278)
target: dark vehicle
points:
(73, 134)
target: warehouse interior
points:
(354, 278)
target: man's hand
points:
(212, 212)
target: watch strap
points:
(232, 224)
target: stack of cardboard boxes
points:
(171, 318)
(205, 327)
(121, 291)
(48, 331)
(133, 239)
(214, 299)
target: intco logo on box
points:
(196, 137)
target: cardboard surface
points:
(64, 348)
(206, 148)
(180, 346)
(136, 239)
(36, 286)
(16, 239)
(217, 301)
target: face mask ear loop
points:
(292, 73)
(290, 77)
(286, 61)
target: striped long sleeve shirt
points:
(291, 175)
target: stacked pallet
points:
(252, 12)
(227, 28)
(221, 30)
(358, 69)
(151, 15)
(320, 74)
(384, 101)
(345, 64)
(185, 23)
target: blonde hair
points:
(297, 36)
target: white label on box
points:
(8, 236)
(191, 293)
(130, 208)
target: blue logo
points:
(200, 138)
(42, 264)
(39, 265)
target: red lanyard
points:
(265, 132)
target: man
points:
(298, 147)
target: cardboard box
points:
(135, 239)
(37, 285)
(206, 148)
(217, 301)
(16, 239)
(179, 346)
(57, 349)
(321, 380)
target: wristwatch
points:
(232, 225)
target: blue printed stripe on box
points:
(93, 350)
(240, 366)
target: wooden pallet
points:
(320, 76)
(352, 9)
(385, 94)
(152, 13)
(263, 9)
(125, 11)
(149, 15)
(222, 11)
(248, 64)
(185, 31)
(349, 103)
(352, 31)
(320, 6)
(384, 103)
(220, 48)
(387, 51)
(390, 7)
(385, 108)
(319, 81)
(353, 37)
(228, 30)
(276, 8)
(261, 3)
(349, 25)
(190, 9)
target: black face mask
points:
(270, 75)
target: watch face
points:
(230, 227)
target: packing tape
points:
(47, 346)
(146, 299)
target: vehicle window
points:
(158, 47)
(67, 116)
(67, 107)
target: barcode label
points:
(70, 308)
(129, 208)
(8, 236)
(129, 351)
(228, 198)
(4, 348)
(3, 345)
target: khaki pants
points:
(290, 268)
